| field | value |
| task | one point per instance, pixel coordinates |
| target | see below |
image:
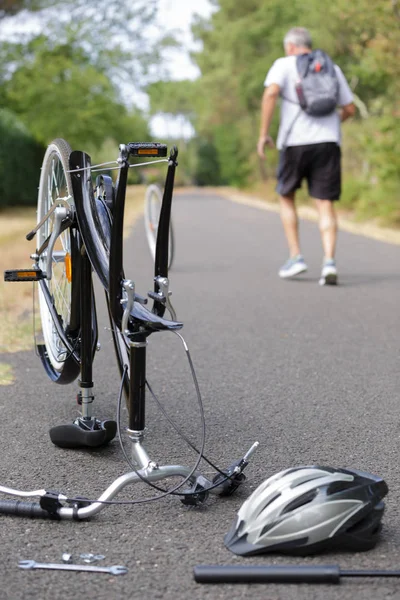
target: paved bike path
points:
(311, 373)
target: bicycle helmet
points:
(305, 510)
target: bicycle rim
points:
(55, 184)
(153, 202)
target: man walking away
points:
(310, 87)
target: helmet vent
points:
(301, 501)
(270, 501)
(338, 486)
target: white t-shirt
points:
(306, 129)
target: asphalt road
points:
(311, 373)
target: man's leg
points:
(327, 227)
(295, 265)
(290, 223)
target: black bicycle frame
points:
(109, 268)
(162, 245)
(116, 273)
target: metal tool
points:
(281, 574)
(90, 558)
(66, 557)
(31, 564)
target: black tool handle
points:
(267, 574)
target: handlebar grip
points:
(32, 510)
(267, 574)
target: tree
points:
(61, 95)
(20, 160)
(70, 80)
(116, 37)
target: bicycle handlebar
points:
(32, 510)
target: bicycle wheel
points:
(152, 209)
(63, 287)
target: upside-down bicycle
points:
(79, 231)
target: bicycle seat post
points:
(137, 400)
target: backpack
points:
(318, 86)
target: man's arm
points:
(270, 96)
(349, 110)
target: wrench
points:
(31, 564)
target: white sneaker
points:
(329, 274)
(294, 266)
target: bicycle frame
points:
(121, 298)
(109, 265)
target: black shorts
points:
(319, 164)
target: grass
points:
(16, 299)
(6, 374)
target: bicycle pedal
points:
(150, 149)
(24, 275)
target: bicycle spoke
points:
(60, 293)
(55, 179)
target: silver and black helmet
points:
(310, 509)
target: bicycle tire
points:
(152, 209)
(63, 287)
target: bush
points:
(207, 168)
(20, 161)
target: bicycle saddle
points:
(152, 322)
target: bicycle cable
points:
(172, 491)
(177, 429)
(95, 169)
(141, 500)
(172, 422)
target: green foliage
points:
(70, 81)
(172, 97)
(207, 168)
(372, 170)
(20, 160)
(59, 94)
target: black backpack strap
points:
(303, 62)
(289, 131)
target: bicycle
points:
(152, 209)
(79, 231)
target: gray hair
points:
(298, 36)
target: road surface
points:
(311, 373)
